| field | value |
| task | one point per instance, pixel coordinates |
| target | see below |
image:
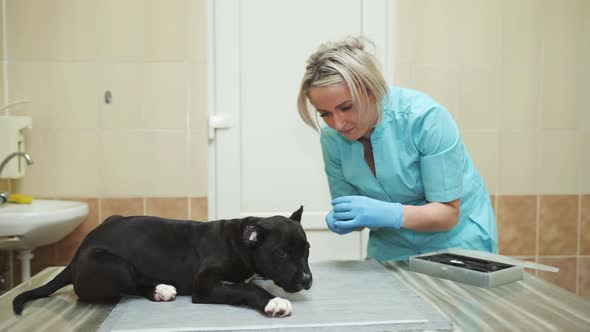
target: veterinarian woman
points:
(394, 159)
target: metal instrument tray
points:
(466, 269)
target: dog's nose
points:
(306, 280)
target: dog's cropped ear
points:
(252, 233)
(297, 214)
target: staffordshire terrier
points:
(211, 261)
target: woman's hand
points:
(352, 212)
(331, 222)
(355, 212)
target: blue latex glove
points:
(330, 220)
(353, 212)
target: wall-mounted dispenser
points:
(12, 140)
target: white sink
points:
(41, 222)
(24, 227)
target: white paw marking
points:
(278, 307)
(164, 293)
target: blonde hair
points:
(344, 62)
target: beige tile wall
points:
(151, 140)
(2, 58)
(549, 229)
(512, 73)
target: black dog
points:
(156, 258)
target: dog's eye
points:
(282, 253)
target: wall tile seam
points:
(459, 112)
(144, 130)
(577, 128)
(100, 60)
(537, 222)
(501, 100)
(187, 137)
(538, 150)
(54, 60)
(99, 213)
(560, 256)
(481, 130)
(81, 197)
(579, 238)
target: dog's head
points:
(280, 250)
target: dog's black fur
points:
(208, 260)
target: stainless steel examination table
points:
(531, 304)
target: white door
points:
(263, 160)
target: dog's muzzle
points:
(306, 280)
(298, 284)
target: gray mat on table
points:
(345, 296)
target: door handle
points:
(218, 121)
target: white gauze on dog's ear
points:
(251, 234)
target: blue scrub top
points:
(419, 158)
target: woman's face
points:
(334, 104)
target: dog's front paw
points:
(278, 307)
(164, 293)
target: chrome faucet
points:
(15, 154)
(4, 195)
